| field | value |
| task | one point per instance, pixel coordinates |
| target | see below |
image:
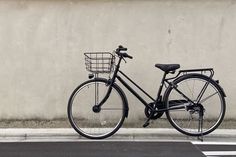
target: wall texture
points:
(42, 44)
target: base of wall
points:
(64, 123)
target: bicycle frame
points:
(159, 96)
(187, 90)
(158, 99)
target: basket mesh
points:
(99, 62)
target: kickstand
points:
(200, 130)
(200, 125)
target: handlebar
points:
(121, 48)
(122, 54)
(125, 55)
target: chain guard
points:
(156, 115)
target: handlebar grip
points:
(130, 57)
(127, 56)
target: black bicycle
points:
(194, 103)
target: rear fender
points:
(221, 89)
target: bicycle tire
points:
(208, 117)
(99, 126)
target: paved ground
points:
(97, 149)
(219, 149)
(126, 142)
(68, 134)
(117, 149)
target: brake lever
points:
(124, 59)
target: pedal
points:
(147, 121)
(146, 124)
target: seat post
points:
(161, 86)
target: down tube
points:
(132, 91)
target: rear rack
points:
(207, 71)
(198, 70)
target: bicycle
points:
(194, 103)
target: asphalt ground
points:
(97, 149)
(126, 142)
(118, 148)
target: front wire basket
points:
(99, 62)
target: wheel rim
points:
(89, 123)
(187, 121)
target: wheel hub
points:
(96, 109)
(196, 108)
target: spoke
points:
(203, 100)
(189, 89)
(111, 108)
(193, 89)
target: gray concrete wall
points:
(42, 44)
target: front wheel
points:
(96, 125)
(204, 113)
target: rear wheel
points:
(91, 124)
(187, 119)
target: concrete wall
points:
(42, 44)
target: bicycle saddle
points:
(167, 67)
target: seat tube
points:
(161, 87)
